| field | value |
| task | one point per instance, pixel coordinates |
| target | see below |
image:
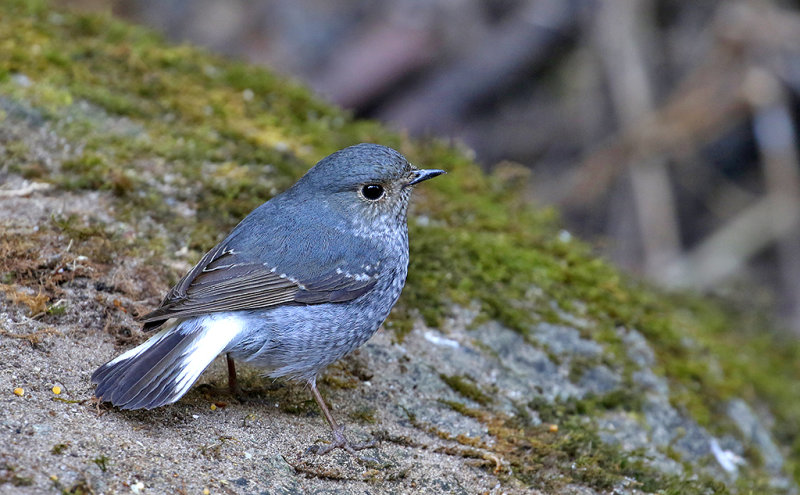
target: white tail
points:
(162, 369)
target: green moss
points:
(101, 462)
(90, 236)
(14, 151)
(80, 487)
(57, 309)
(9, 474)
(59, 448)
(76, 229)
(567, 449)
(95, 171)
(18, 480)
(591, 406)
(364, 414)
(580, 364)
(463, 409)
(466, 387)
(339, 381)
(299, 408)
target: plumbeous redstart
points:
(303, 280)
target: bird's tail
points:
(161, 370)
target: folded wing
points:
(227, 280)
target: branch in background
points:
(707, 103)
(725, 252)
(620, 42)
(776, 137)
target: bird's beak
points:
(420, 175)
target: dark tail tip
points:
(146, 379)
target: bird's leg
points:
(339, 440)
(233, 383)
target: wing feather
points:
(226, 280)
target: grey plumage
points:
(303, 280)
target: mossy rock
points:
(515, 354)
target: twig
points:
(26, 190)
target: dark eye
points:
(372, 191)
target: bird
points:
(303, 280)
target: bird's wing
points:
(227, 280)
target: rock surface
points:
(105, 199)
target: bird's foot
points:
(341, 442)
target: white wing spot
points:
(220, 267)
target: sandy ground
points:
(67, 441)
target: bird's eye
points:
(372, 192)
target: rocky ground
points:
(515, 362)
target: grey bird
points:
(303, 280)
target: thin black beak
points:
(421, 175)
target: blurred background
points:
(664, 131)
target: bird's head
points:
(369, 184)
